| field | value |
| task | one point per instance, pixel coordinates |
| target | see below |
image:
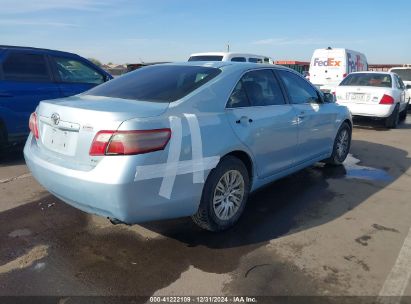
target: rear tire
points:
(391, 122)
(225, 194)
(403, 114)
(342, 144)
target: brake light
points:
(33, 125)
(129, 142)
(387, 99)
(344, 75)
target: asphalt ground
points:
(323, 231)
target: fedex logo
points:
(330, 62)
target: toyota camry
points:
(183, 139)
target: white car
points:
(374, 94)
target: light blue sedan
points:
(183, 139)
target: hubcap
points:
(342, 143)
(228, 195)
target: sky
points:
(132, 31)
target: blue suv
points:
(29, 75)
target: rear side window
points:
(26, 67)
(368, 80)
(238, 59)
(257, 88)
(206, 58)
(71, 70)
(299, 90)
(157, 83)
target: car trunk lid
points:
(67, 126)
(361, 94)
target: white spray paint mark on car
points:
(173, 157)
(197, 148)
(173, 167)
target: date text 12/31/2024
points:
(202, 299)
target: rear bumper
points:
(369, 110)
(109, 189)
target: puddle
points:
(353, 170)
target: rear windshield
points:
(159, 83)
(405, 74)
(206, 58)
(368, 80)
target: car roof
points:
(230, 65)
(227, 53)
(29, 48)
(401, 68)
(372, 72)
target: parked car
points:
(28, 75)
(405, 75)
(229, 56)
(188, 139)
(374, 94)
(330, 66)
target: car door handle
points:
(244, 120)
(5, 94)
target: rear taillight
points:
(129, 142)
(387, 99)
(344, 75)
(33, 125)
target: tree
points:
(95, 61)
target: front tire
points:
(391, 122)
(342, 144)
(225, 194)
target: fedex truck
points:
(330, 66)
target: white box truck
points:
(328, 67)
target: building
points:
(299, 66)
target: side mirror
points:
(329, 98)
(408, 86)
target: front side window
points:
(299, 90)
(156, 83)
(71, 70)
(26, 67)
(257, 88)
(368, 80)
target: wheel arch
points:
(246, 159)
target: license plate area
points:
(359, 97)
(60, 141)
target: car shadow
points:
(88, 259)
(378, 124)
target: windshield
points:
(405, 74)
(159, 83)
(368, 80)
(206, 58)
